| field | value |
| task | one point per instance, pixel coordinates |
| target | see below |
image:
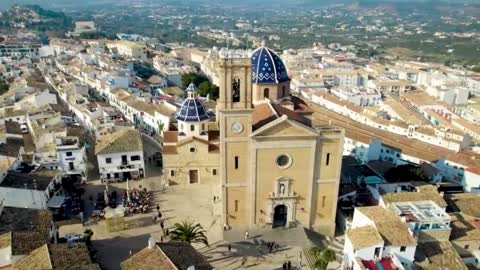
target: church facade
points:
(274, 168)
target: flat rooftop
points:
(24, 219)
(36, 180)
(420, 211)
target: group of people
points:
(271, 246)
(139, 201)
(287, 265)
(158, 217)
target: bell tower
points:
(235, 82)
(234, 116)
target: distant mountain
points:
(4, 4)
(67, 4)
(35, 17)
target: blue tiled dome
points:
(192, 88)
(267, 67)
(192, 109)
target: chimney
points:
(151, 242)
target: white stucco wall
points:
(6, 256)
(117, 161)
(406, 257)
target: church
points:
(273, 167)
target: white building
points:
(71, 156)
(129, 49)
(30, 190)
(19, 50)
(120, 155)
(339, 106)
(378, 236)
(426, 219)
(358, 96)
(471, 180)
(83, 27)
(37, 100)
(342, 77)
(451, 94)
(149, 116)
(390, 86)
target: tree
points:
(160, 127)
(92, 35)
(3, 87)
(188, 232)
(204, 88)
(322, 257)
(407, 172)
(476, 68)
(191, 77)
(214, 92)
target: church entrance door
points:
(193, 176)
(280, 216)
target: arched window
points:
(236, 90)
(236, 162)
(266, 93)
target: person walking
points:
(246, 235)
(229, 247)
(289, 265)
(284, 266)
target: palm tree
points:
(188, 232)
(322, 257)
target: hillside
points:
(33, 17)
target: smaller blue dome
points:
(267, 67)
(192, 88)
(192, 110)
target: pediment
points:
(284, 127)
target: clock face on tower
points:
(237, 127)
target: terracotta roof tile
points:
(262, 114)
(169, 149)
(124, 140)
(170, 136)
(362, 237)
